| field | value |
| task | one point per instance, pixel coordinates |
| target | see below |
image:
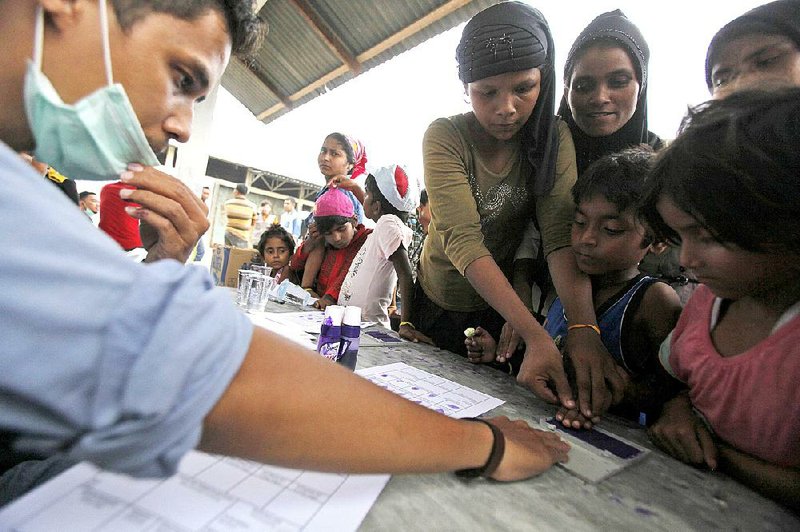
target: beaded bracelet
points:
(593, 327)
(495, 456)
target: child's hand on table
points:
(409, 333)
(573, 419)
(480, 346)
(682, 434)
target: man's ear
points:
(62, 14)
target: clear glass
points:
(243, 287)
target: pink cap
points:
(334, 202)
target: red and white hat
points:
(395, 185)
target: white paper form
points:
(431, 391)
(272, 322)
(208, 493)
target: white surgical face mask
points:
(96, 137)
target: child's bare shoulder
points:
(659, 310)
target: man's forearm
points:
(288, 406)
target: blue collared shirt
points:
(103, 359)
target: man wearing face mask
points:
(163, 362)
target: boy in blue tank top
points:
(635, 312)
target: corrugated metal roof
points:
(316, 45)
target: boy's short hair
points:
(735, 168)
(328, 223)
(85, 194)
(246, 29)
(275, 231)
(618, 177)
(241, 188)
(386, 207)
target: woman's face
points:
(755, 61)
(503, 103)
(603, 91)
(332, 159)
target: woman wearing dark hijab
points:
(759, 49)
(605, 89)
(605, 105)
(486, 172)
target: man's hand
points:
(172, 218)
(599, 383)
(682, 434)
(542, 371)
(528, 451)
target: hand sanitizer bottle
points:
(330, 333)
(351, 332)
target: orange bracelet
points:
(595, 328)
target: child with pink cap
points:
(383, 260)
(342, 237)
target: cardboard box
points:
(226, 261)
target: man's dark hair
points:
(735, 168)
(291, 200)
(85, 194)
(276, 231)
(206, 188)
(386, 208)
(265, 202)
(328, 223)
(242, 188)
(423, 197)
(246, 29)
(618, 177)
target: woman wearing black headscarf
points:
(605, 89)
(759, 49)
(605, 105)
(486, 171)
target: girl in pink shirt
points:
(728, 189)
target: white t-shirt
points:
(371, 277)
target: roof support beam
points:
(417, 26)
(322, 29)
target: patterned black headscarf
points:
(776, 18)
(510, 37)
(612, 27)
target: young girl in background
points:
(341, 161)
(728, 189)
(383, 260)
(276, 247)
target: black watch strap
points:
(495, 456)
